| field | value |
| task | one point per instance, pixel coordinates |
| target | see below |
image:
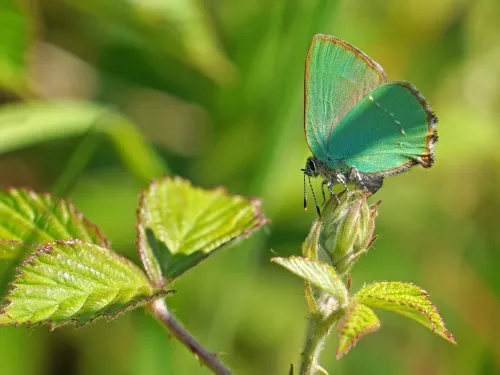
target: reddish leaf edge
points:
(79, 214)
(47, 248)
(445, 333)
(108, 317)
(356, 338)
(256, 203)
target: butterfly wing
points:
(388, 131)
(337, 76)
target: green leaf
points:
(405, 299)
(14, 39)
(358, 321)
(318, 274)
(74, 281)
(179, 225)
(27, 124)
(28, 218)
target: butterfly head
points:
(311, 168)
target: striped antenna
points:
(318, 210)
(305, 194)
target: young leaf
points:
(357, 322)
(318, 274)
(179, 225)
(405, 299)
(74, 281)
(27, 218)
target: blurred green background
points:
(213, 91)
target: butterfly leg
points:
(357, 179)
(341, 178)
(323, 183)
(329, 185)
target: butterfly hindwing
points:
(388, 131)
(337, 76)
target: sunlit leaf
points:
(318, 274)
(27, 218)
(179, 225)
(26, 124)
(405, 299)
(14, 38)
(74, 281)
(357, 322)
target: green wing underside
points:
(389, 129)
(337, 77)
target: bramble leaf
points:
(180, 225)
(318, 274)
(28, 218)
(74, 281)
(358, 321)
(405, 299)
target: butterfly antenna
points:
(315, 200)
(305, 194)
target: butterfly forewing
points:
(337, 76)
(389, 130)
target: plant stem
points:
(317, 332)
(314, 344)
(160, 311)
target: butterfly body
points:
(342, 175)
(359, 127)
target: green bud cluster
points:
(347, 229)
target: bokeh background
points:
(213, 91)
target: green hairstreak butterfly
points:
(359, 127)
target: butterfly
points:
(359, 127)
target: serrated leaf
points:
(179, 225)
(405, 299)
(318, 274)
(74, 281)
(26, 124)
(14, 39)
(358, 321)
(28, 218)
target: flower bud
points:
(347, 230)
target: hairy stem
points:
(162, 314)
(312, 348)
(317, 332)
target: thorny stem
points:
(317, 332)
(160, 311)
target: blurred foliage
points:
(217, 88)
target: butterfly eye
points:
(311, 165)
(310, 168)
